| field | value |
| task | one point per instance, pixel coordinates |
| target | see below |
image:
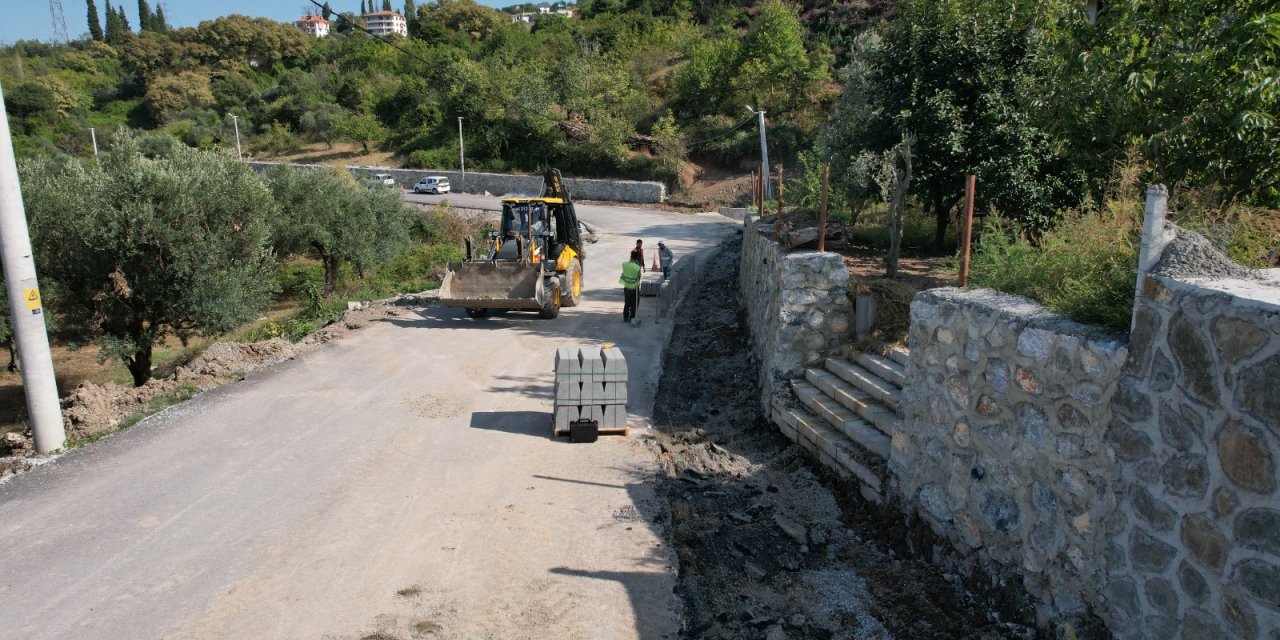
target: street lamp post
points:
(764, 153)
(235, 121)
(462, 157)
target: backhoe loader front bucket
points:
(493, 285)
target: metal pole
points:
(94, 134)
(235, 121)
(764, 155)
(462, 156)
(966, 231)
(822, 210)
(24, 303)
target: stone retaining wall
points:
(1138, 481)
(1001, 448)
(504, 183)
(1197, 437)
(797, 304)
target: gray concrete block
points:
(649, 288)
(564, 415)
(596, 393)
(567, 391)
(567, 361)
(591, 361)
(615, 365)
(615, 417)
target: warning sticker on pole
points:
(32, 296)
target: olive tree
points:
(141, 248)
(326, 214)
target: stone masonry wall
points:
(503, 183)
(1197, 437)
(797, 305)
(1001, 447)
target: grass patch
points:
(918, 229)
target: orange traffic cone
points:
(655, 263)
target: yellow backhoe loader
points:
(533, 261)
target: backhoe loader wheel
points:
(551, 308)
(475, 312)
(573, 285)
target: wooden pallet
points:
(559, 433)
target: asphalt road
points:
(401, 481)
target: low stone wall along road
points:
(399, 483)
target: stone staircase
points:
(843, 413)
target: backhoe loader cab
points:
(533, 261)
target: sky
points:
(31, 19)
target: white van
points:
(432, 184)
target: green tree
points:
(170, 94)
(386, 5)
(145, 17)
(775, 70)
(95, 25)
(115, 26)
(1194, 86)
(159, 23)
(258, 42)
(325, 213)
(358, 127)
(146, 248)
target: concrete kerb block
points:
(591, 361)
(564, 415)
(615, 365)
(568, 361)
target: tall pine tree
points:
(386, 5)
(115, 30)
(144, 16)
(124, 20)
(158, 21)
(95, 25)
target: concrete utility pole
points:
(235, 121)
(764, 153)
(24, 303)
(462, 156)
(94, 134)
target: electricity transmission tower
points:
(59, 23)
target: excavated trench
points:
(769, 544)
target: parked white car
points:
(432, 184)
(380, 180)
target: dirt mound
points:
(233, 359)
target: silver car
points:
(432, 184)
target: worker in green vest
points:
(630, 281)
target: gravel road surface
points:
(399, 483)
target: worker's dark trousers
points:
(630, 303)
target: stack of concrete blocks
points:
(682, 275)
(591, 384)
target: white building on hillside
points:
(383, 23)
(314, 25)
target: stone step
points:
(832, 448)
(853, 399)
(899, 355)
(888, 369)
(844, 420)
(865, 380)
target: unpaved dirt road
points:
(400, 483)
